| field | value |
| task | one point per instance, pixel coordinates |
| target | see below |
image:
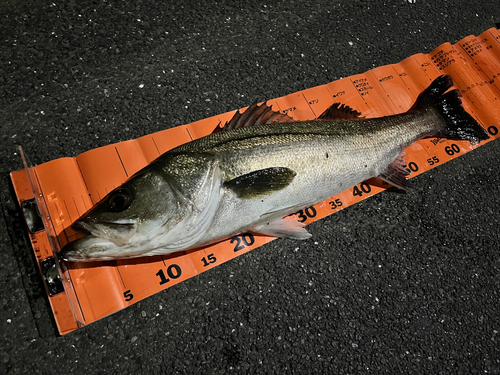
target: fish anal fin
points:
(260, 183)
(283, 228)
(396, 174)
(338, 111)
(254, 115)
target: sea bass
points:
(257, 169)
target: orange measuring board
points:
(66, 188)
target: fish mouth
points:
(87, 249)
(118, 232)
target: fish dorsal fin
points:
(396, 173)
(254, 115)
(260, 183)
(338, 111)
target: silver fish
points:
(257, 169)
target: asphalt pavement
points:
(399, 283)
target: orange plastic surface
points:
(66, 188)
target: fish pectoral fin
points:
(339, 111)
(260, 183)
(396, 173)
(283, 228)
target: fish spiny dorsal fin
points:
(338, 111)
(254, 115)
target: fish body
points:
(248, 178)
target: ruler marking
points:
(307, 102)
(121, 161)
(156, 146)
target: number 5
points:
(128, 295)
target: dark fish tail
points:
(459, 124)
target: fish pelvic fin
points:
(283, 228)
(254, 115)
(460, 125)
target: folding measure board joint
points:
(56, 193)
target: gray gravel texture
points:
(400, 283)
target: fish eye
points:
(119, 200)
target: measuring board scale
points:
(66, 188)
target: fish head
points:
(122, 222)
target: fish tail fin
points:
(459, 124)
